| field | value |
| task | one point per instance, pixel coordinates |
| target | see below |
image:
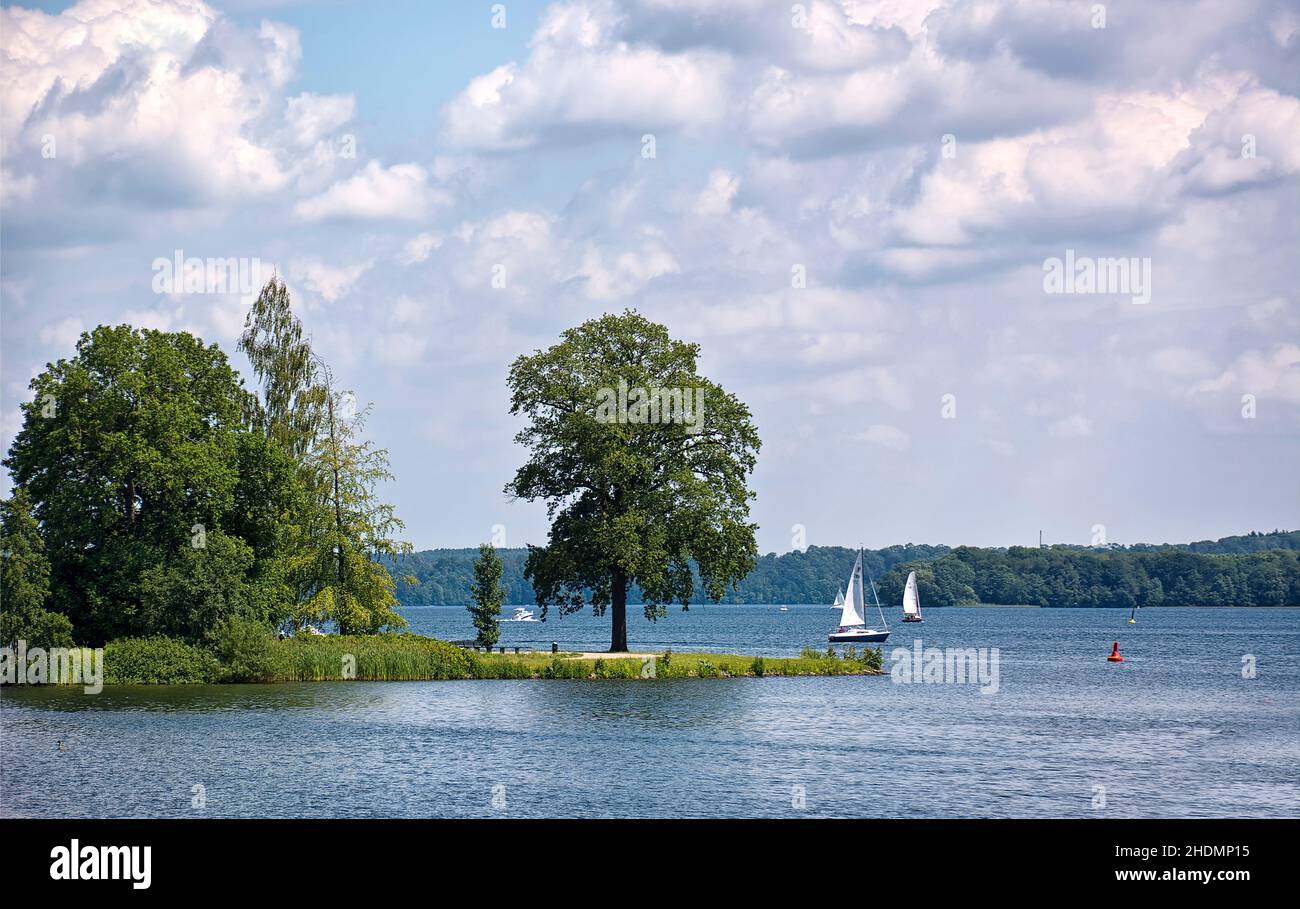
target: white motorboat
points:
(522, 615)
(853, 627)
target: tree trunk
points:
(618, 581)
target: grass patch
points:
(243, 653)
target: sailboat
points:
(853, 626)
(911, 600)
(1132, 616)
(839, 600)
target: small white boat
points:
(911, 600)
(522, 615)
(784, 609)
(853, 627)
(839, 600)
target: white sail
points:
(839, 599)
(852, 614)
(911, 599)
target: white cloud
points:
(115, 89)
(715, 198)
(401, 192)
(419, 248)
(63, 334)
(330, 281)
(1273, 373)
(580, 77)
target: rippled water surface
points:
(1174, 731)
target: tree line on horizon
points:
(1140, 574)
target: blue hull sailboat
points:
(853, 627)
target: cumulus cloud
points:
(329, 281)
(106, 95)
(401, 192)
(580, 78)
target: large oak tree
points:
(636, 498)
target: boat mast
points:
(876, 597)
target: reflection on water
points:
(1174, 731)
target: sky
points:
(856, 209)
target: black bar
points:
(1046, 858)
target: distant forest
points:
(1256, 569)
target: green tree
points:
(125, 449)
(336, 531)
(634, 496)
(291, 404)
(25, 580)
(487, 596)
(351, 528)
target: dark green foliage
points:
(25, 580)
(196, 587)
(487, 596)
(124, 450)
(158, 661)
(1104, 577)
(39, 628)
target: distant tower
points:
(1040, 539)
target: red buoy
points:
(1114, 654)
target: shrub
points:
(758, 667)
(158, 661)
(248, 651)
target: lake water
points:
(1174, 731)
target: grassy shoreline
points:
(411, 657)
